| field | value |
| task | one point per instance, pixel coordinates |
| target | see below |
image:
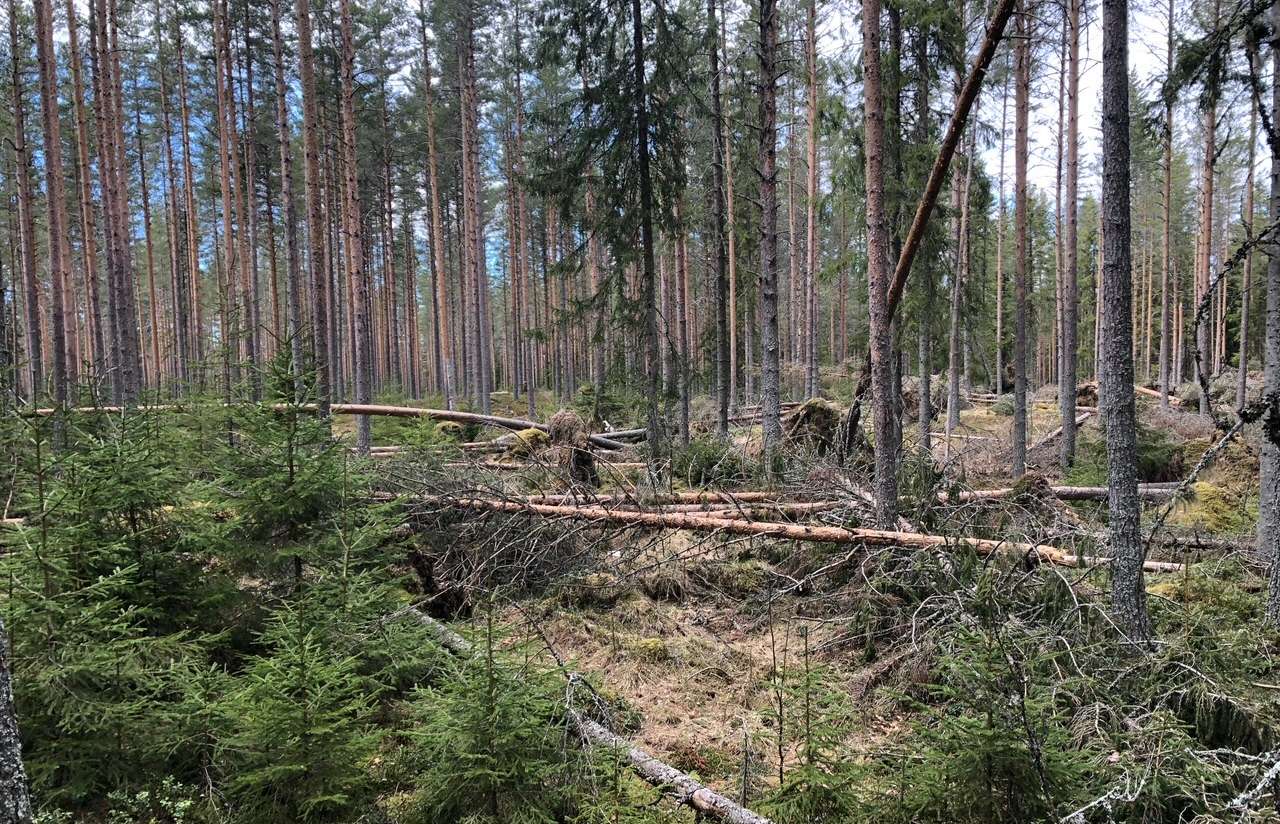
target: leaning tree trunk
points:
(1128, 594)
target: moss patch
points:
(1216, 508)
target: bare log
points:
(678, 786)
(785, 531)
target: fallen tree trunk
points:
(1062, 493)
(793, 532)
(698, 497)
(1152, 393)
(1052, 436)
(500, 466)
(678, 786)
(361, 409)
(440, 415)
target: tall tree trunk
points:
(1246, 286)
(649, 299)
(83, 174)
(1204, 250)
(179, 300)
(436, 237)
(886, 480)
(312, 183)
(1070, 286)
(153, 299)
(1168, 283)
(26, 219)
(1128, 593)
(189, 209)
(960, 204)
(998, 387)
(55, 195)
(352, 241)
(770, 401)
(724, 307)
(1022, 266)
(293, 265)
(731, 239)
(1269, 480)
(811, 209)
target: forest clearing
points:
(602, 411)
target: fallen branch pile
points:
(680, 787)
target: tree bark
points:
(1128, 592)
(16, 805)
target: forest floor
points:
(698, 637)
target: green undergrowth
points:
(206, 616)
